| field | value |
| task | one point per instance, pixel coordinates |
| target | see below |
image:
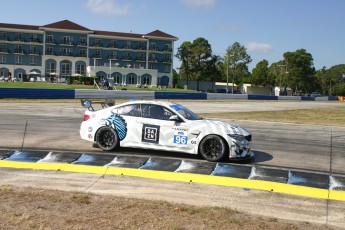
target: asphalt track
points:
(292, 152)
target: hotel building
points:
(64, 49)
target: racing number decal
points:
(150, 133)
(180, 138)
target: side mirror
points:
(174, 118)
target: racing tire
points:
(107, 138)
(213, 148)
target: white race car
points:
(164, 126)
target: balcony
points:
(81, 43)
(112, 57)
(153, 59)
(127, 58)
(98, 44)
(4, 51)
(34, 52)
(97, 56)
(19, 51)
(4, 38)
(50, 52)
(81, 55)
(140, 59)
(19, 39)
(34, 40)
(166, 61)
(51, 42)
(66, 43)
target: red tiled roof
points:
(158, 33)
(66, 24)
(17, 26)
(117, 34)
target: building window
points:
(3, 48)
(18, 59)
(128, 45)
(146, 80)
(3, 58)
(49, 39)
(82, 41)
(82, 52)
(33, 60)
(152, 46)
(117, 78)
(98, 54)
(113, 44)
(66, 51)
(131, 80)
(98, 42)
(49, 51)
(142, 45)
(80, 68)
(19, 37)
(113, 55)
(33, 37)
(98, 62)
(18, 49)
(33, 50)
(66, 68)
(66, 40)
(166, 68)
(3, 35)
(141, 57)
(152, 66)
(128, 56)
(168, 48)
(51, 67)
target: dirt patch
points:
(29, 208)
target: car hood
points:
(220, 126)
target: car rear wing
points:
(105, 103)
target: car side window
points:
(155, 112)
(129, 110)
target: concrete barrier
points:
(32, 93)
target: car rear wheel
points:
(213, 148)
(107, 138)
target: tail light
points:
(86, 117)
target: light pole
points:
(281, 73)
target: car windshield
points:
(186, 113)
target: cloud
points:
(199, 3)
(259, 47)
(107, 7)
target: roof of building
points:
(18, 26)
(68, 25)
(158, 33)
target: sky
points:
(267, 28)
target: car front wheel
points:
(213, 148)
(107, 138)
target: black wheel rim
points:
(213, 148)
(107, 139)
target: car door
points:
(159, 132)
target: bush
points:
(338, 90)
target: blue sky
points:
(268, 28)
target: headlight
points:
(237, 137)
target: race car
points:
(164, 126)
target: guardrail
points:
(33, 93)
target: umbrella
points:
(34, 73)
(54, 74)
(76, 75)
